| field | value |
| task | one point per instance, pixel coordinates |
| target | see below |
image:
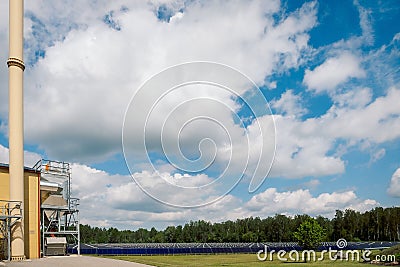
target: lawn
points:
(247, 260)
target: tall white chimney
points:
(16, 119)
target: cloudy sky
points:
(303, 93)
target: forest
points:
(378, 224)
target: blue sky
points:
(329, 71)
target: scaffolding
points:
(59, 211)
(10, 213)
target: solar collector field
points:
(211, 248)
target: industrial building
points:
(38, 217)
(49, 215)
(12, 212)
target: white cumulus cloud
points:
(394, 187)
(301, 201)
(77, 91)
(289, 104)
(334, 71)
(123, 203)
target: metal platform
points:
(10, 213)
(59, 211)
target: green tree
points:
(309, 234)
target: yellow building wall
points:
(31, 215)
(4, 184)
(31, 209)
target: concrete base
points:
(18, 258)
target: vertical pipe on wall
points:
(38, 214)
(16, 120)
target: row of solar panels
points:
(169, 245)
(211, 248)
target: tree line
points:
(378, 224)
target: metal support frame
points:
(10, 213)
(59, 221)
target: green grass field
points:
(247, 260)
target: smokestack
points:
(16, 119)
